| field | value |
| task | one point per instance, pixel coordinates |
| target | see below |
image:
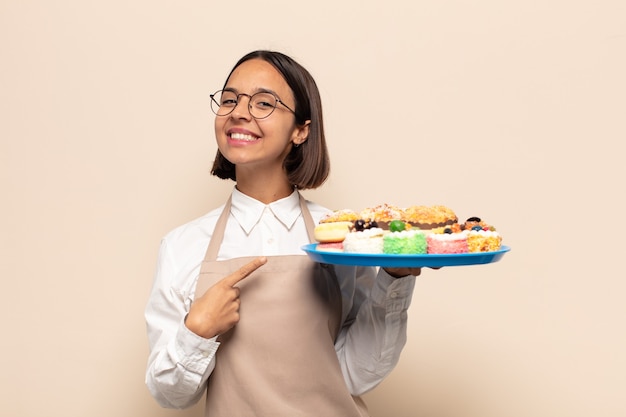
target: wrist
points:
(196, 327)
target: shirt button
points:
(394, 294)
(270, 241)
(205, 354)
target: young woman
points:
(237, 311)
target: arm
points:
(180, 361)
(374, 333)
(183, 333)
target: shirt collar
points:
(248, 211)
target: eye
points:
(228, 99)
(264, 101)
(230, 102)
(264, 104)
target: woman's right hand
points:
(217, 310)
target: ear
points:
(301, 133)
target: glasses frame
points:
(278, 100)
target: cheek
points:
(281, 132)
(219, 123)
(219, 129)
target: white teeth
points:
(242, 136)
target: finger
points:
(245, 270)
(403, 272)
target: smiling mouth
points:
(243, 137)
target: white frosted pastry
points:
(366, 241)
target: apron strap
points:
(308, 219)
(218, 232)
(220, 227)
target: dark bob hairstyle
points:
(307, 165)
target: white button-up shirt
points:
(374, 304)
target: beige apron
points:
(280, 359)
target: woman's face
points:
(253, 144)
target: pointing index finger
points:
(245, 270)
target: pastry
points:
(365, 241)
(330, 247)
(332, 232)
(382, 214)
(483, 240)
(476, 223)
(343, 215)
(447, 242)
(429, 217)
(411, 241)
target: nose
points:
(241, 110)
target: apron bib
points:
(280, 359)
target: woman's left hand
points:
(403, 272)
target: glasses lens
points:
(223, 102)
(262, 105)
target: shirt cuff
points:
(393, 293)
(194, 352)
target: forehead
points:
(258, 75)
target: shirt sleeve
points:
(180, 361)
(374, 332)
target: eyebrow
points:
(258, 90)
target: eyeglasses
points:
(260, 105)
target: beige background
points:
(513, 111)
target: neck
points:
(264, 188)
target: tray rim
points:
(408, 260)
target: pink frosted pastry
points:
(447, 242)
(330, 247)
